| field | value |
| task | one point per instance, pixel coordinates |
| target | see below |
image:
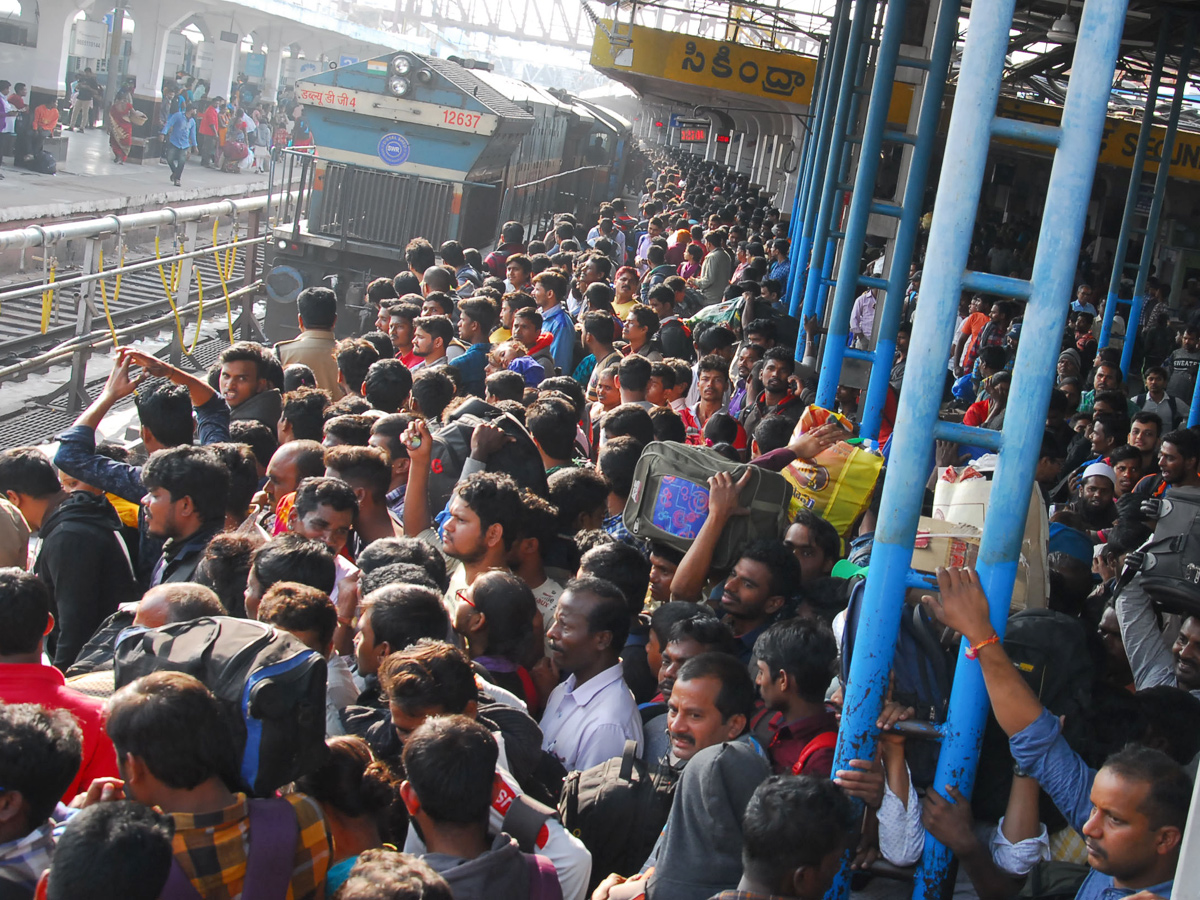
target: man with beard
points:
(776, 398)
(1144, 431)
(1131, 812)
(591, 715)
(757, 588)
(1095, 502)
(1178, 458)
(186, 489)
(1127, 466)
(484, 518)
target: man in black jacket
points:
(82, 560)
(186, 490)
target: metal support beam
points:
(945, 34)
(1150, 238)
(1135, 183)
(834, 74)
(826, 190)
(85, 310)
(860, 204)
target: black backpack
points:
(271, 687)
(1169, 562)
(618, 809)
(924, 671)
(1050, 649)
(452, 445)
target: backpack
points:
(1169, 562)
(923, 671)
(826, 740)
(1050, 649)
(1053, 880)
(1172, 404)
(618, 809)
(270, 860)
(271, 688)
(669, 500)
(452, 446)
(539, 773)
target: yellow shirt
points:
(622, 309)
(500, 335)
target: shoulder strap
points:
(826, 740)
(269, 864)
(543, 879)
(179, 886)
(531, 694)
(525, 820)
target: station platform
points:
(90, 184)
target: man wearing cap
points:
(1095, 503)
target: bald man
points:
(165, 604)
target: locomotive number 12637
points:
(458, 117)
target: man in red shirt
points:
(25, 621)
(208, 132)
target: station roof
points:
(1041, 47)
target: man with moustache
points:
(1131, 812)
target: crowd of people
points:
(436, 506)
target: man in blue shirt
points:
(780, 252)
(1131, 812)
(181, 139)
(550, 290)
(476, 320)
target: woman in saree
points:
(120, 128)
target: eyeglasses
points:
(461, 594)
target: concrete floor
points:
(90, 183)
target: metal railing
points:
(166, 287)
(535, 203)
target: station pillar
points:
(44, 67)
(225, 68)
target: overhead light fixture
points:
(1063, 29)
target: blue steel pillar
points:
(1135, 185)
(863, 204)
(973, 122)
(945, 34)
(1160, 191)
(830, 81)
(807, 155)
(825, 188)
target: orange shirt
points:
(45, 118)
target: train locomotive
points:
(407, 145)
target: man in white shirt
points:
(591, 715)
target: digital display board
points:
(693, 135)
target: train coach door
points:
(479, 223)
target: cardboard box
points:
(946, 544)
(964, 503)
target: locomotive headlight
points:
(401, 65)
(399, 85)
(424, 76)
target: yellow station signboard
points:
(720, 65)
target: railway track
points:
(141, 298)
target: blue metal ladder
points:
(1076, 141)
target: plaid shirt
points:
(211, 849)
(23, 861)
